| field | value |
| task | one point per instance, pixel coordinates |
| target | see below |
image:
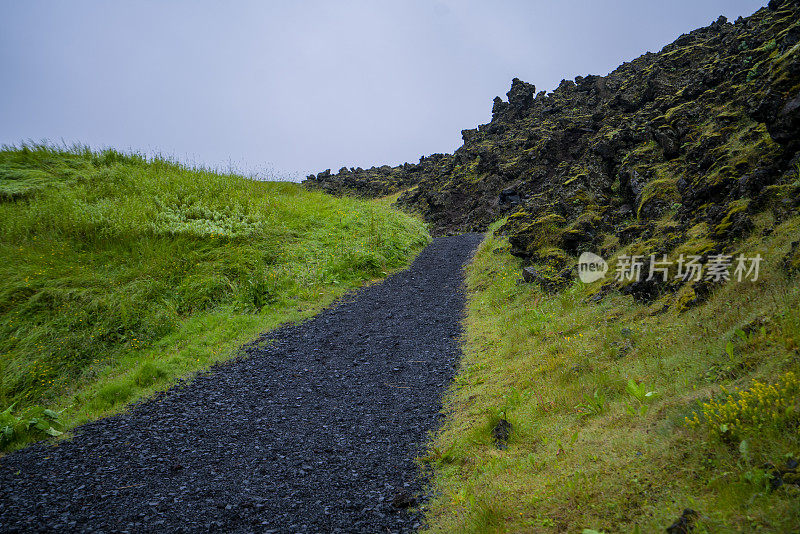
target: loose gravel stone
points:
(314, 430)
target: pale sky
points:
(293, 87)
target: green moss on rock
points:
(657, 196)
(736, 221)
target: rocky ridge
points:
(675, 152)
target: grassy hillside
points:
(624, 414)
(120, 274)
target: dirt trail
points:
(315, 431)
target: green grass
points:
(120, 273)
(602, 398)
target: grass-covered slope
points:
(119, 274)
(625, 414)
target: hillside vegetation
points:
(121, 273)
(623, 414)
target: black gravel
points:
(315, 430)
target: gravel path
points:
(315, 431)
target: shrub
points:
(37, 421)
(763, 408)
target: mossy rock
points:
(685, 299)
(517, 218)
(657, 196)
(548, 278)
(779, 196)
(553, 257)
(722, 177)
(577, 178)
(791, 261)
(544, 231)
(630, 232)
(582, 233)
(693, 293)
(696, 247)
(698, 242)
(736, 220)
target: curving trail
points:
(316, 430)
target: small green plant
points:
(730, 349)
(148, 374)
(744, 337)
(758, 478)
(749, 337)
(594, 404)
(38, 422)
(640, 396)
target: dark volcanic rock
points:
(403, 500)
(685, 523)
(643, 290)
(501, 432)
(786, 474)
(547, 279)
(530, 275)
(698, 137)
(509, 196)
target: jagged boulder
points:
(521, 94)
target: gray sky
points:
(294, 87)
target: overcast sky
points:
(294, 87)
